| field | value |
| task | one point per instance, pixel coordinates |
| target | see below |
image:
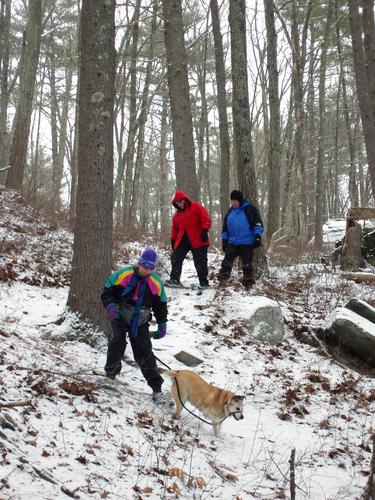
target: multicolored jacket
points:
(242, 224)
(126, 288)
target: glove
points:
(161, 331)
(113, 312)
(224, 245)
(257, 241)
(204, 235)
(172, 244)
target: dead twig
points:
(13, 404)
(292, 475)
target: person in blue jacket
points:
(242, 232)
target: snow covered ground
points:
(82, 439)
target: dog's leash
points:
(187, 409)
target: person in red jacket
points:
(190, 225)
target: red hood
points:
(180, 195)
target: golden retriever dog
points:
(213, 402)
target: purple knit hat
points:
(148, 258)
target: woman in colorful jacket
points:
(242, 232)
(190, 225)
(129, 296)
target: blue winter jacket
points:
(242, 224)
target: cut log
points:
(362, 308)
(361, 213)
(13, 404)
(359, 276)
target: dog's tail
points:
(172, 373)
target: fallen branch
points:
(13, 404)
(75, 375)
(359, 276)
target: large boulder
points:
(350, 338)
(264, 320)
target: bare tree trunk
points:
(32, 189)
(244, 160)
(273, 214)
(178, 84)
(132, 120)
(18, 151)
(320, 177)
(121, 92)
(92, 249)
(242, 127)
(144, 109)
(222, 109)
(351, 254)
(299, 228)
(4, 75)
(74, 161)
(203, 118)
(53, 110)
(289, 160)
(164, 229)
(363, 68)
(311, 130)
(353, 189)
(57, 178)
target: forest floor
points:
(78, 438)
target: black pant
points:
(233, 251)
(142, 351)
(199, 258)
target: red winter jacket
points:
(191, 220)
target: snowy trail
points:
(118, 443)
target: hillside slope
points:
(77, 437)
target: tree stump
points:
(351, 254)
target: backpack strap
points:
(253, 216)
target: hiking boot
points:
(173, 283)
(160, 398)
(111, 375)
(247, 283)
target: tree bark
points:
(273, 214)
(178, 85)
(92, 248)
(163, 170)
(320, 177)
(58, 174)
(222, 109)
(299, 207)
(18, 150)
(362, 68)
(53, 111)
(4, 72)
(243, 151)
(351, 255)
(353, 188)
(136, 199)
(132, 122)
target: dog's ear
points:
(238, 398)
